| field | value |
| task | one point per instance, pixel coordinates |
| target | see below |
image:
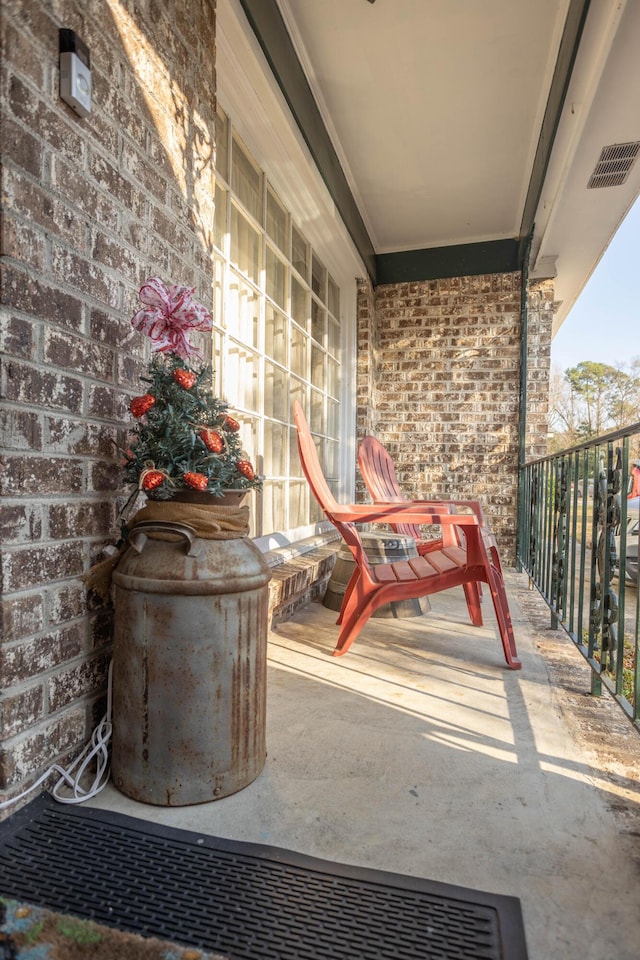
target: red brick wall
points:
(91, 207)
(439, 385)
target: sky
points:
(604, 323)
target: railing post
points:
(605, 607)
(558, 581)
(533, 525)
(595, 605)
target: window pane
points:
(333, 418)
(333, 377)
(275, 449)
(333, 341)
(275, 335)
(241, 377)
(298, 391)
(317, 366)
(218, 291)
(299, 351)
(299, 252)
(315, 512)
(334, 298)
(216, 359)
(222, 144)
(246, 181)
(299, 304)
(316, 412)
(276, 221)
(276, 277)
(295, 467)
(334, 486)
(249, 438)
(298, 503)
(220, 217)
(275, 392)
(273, 507)
(330, 458)
(318, 322)
(243, 311)
(318, 279)
(245, 245)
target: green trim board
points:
(459, 260)
(266, 22)
(567, 53)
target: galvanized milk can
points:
(189, 666)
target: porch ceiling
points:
(460, 122)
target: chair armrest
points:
(409, 511)
(447, 506)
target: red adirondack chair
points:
(379, 474)
(452, 565)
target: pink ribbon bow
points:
(169, 314)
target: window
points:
(277, 335)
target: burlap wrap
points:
(210, 521)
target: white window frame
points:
(249, 94)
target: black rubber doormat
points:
(246, 901)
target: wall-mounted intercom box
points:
(75, 73)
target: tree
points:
(183, 439)
(563, 415)
(624, 402)
(590, 399)
(592, 383)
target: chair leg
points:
(355, 615)
(503, 616)
(349, 632)
(495, 559)
(472, 595)
(353, 579)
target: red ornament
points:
(141, 405)
(232, 425)
(212, 440)
(246, 469)
(197, 481)
(186, 378)
(151, 479)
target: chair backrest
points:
(310, 462)
(320, 488)
(379, 474)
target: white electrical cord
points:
(98, 748)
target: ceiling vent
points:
(612, 169)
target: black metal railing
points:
(578, 541)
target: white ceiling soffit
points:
(434, 108)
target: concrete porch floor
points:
(420, 753)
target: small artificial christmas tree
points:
(184, 438)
